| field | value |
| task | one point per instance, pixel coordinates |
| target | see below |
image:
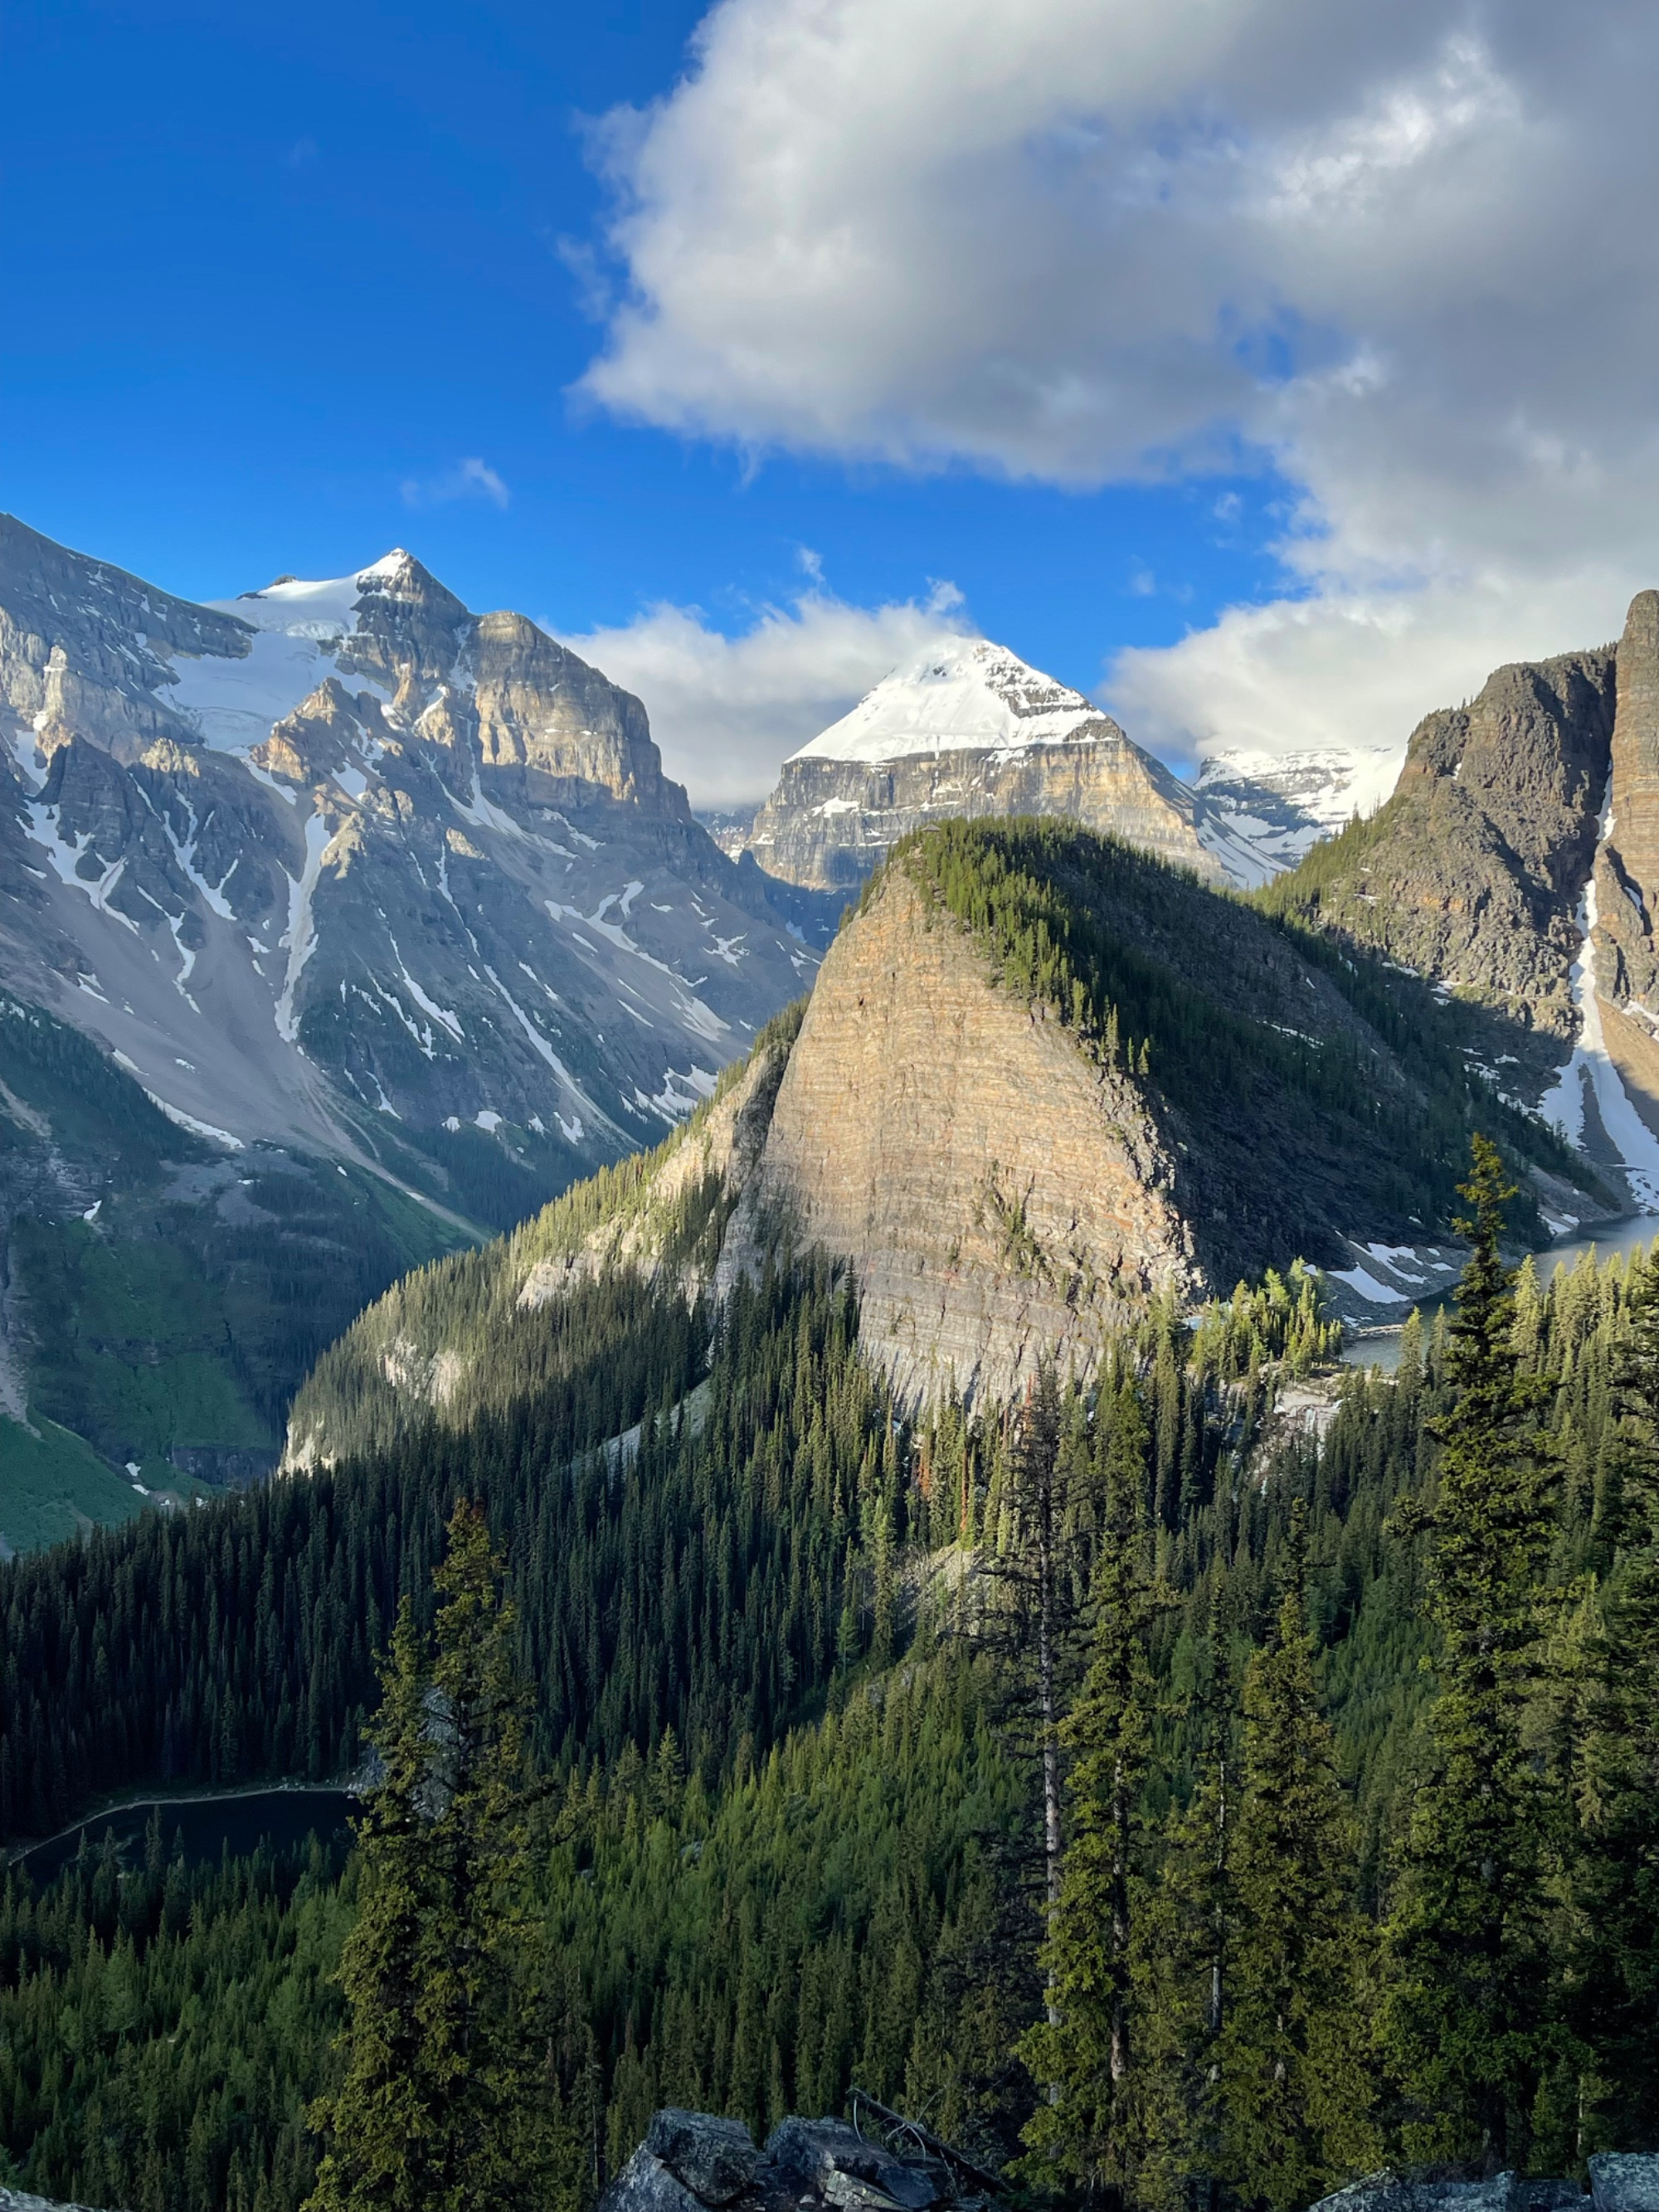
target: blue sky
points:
(1198, 348)
(281, 263)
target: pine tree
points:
(1465, 2018)
(1094, 2125)
(1295, 2088)
(1184, 1950)
(445, 2105)
(1615, 1891)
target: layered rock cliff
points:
(1472, 871)
(966, 730)
(1012, 1150)
(1517, 867)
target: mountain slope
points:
(1517, 868)
(966, 729)
(1043, 1082)
(346, 864)
(160, 1300)
(1260, 812)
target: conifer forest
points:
(1166, 1793)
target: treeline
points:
(461, 1333)
(693, 1575)
(752, 1917)
(746, 1920)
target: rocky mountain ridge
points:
(1516, 865)
(1008, 1167)
(346, 865)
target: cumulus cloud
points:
(469, 479)
(727, 711)
(1403, 255)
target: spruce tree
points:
(1295, 2085)
(1185, 1946)
(1466, 2015)
(1615, 1891)
(1094, 2125)
(444, 2105)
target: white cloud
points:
(1404, 255)
(728, 710)
(469, 479)
(1356, 668)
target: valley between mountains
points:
(341, 926)
(773, 1415)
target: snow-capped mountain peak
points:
(961, 695)
(340, 862)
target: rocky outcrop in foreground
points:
(1620, 2182)
(696, 2162)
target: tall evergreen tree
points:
(1466, 2016)
(1093, 2126)
(444, 2105)
(1614, 1892)
(1295, 2077)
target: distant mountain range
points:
(340, 879)
(969, 729)
(344, 865)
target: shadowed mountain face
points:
(1517, 867)
(346, 865)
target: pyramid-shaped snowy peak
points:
(961, 695)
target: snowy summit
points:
(962, 694)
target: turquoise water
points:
(1380, 1347)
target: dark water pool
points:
(1380, 1347)
(280, 1819)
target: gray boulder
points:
(852, 2171)
(19, 2200)
(715, 2157)
(645, 2185)
(1624, 2181)
(1390, 2191)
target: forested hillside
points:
(1302, 1079)
(160, 1299)
(786, 1703)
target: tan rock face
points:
(1627, 866)
(996, 1194)
(1473, 870)
(67, 662)
(542, 712)
(830, 823)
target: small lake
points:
(281, 1819)
(1380, 1347)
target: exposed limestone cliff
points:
(830, 823)
(996, 1194)
(1010, 1163)
(1627, 865)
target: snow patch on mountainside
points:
(1259, 812)
(961, 695)
(299, 629)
